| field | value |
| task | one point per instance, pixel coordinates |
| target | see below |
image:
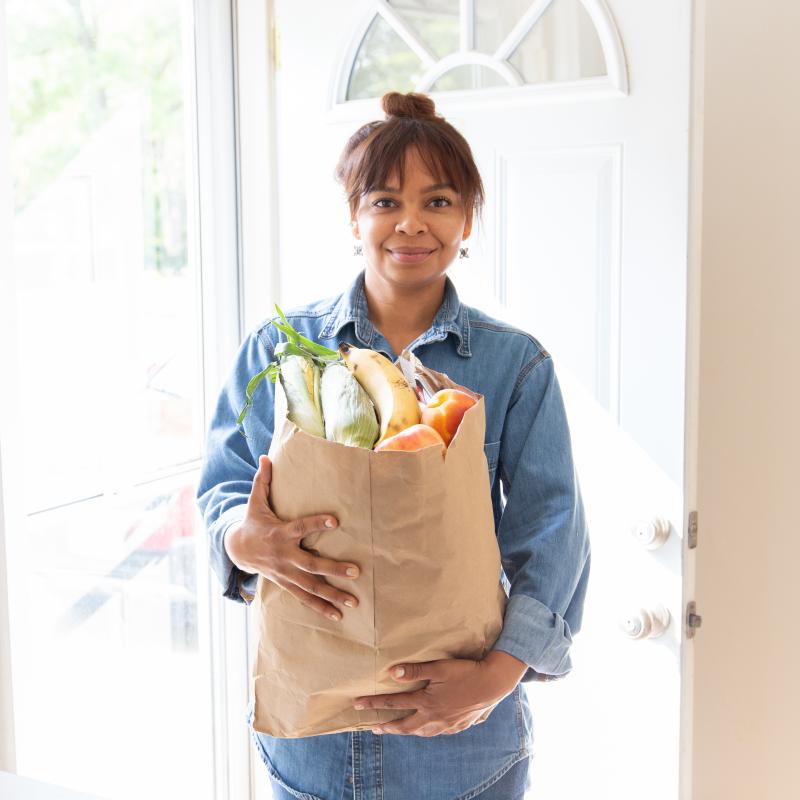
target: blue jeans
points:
(511, 786)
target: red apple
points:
(415, 437)
(445, 410)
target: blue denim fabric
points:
(510, 786)
(539, 524)
(389, 767)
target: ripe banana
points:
(395, 402)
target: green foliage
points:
(72, 65)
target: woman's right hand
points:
(265, 545)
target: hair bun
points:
(412, 105)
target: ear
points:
(354, 228)
(467, 226)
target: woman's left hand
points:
(458, 692)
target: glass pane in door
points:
(562, 46)
(101, 157)
(111, 661)
(383, 63)
(435, 23)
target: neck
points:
(398, 310)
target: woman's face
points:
(411, 233)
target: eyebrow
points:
(434, 187)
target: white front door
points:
(577, 112)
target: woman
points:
(414, 190)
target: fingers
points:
(325, 566)
(409, 725)
(398, 700)
(312, 601)
(301, 527)
(322, 589)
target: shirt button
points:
(349, 779)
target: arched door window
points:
(458, 45)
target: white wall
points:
(746, 725)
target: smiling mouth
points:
(411, 255)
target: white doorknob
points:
(646, 623)
(651, 533)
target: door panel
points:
(583, 244)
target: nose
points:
(411, 223)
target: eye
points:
(441, 202)
(380, 200)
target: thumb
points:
(261, 482)
(264, 470)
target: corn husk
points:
(348, 412)
(300, 379)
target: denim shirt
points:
(539, 524)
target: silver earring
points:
(463, 252)
(357, 249)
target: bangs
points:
(380, 157)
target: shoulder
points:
(494, 336)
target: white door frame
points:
(255, 62)
(221, 288)
(7, 347)
(692, 380)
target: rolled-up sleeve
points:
(231, 458)
(542, 534)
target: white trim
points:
(610, 41)
(258, 185)
(220, 301)
(404, 32)
(597, 88)
(692, 383)
(256, 37)
(473, 58)
(8, 350)
(466, 25)
(520, 30)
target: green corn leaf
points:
(252, 385)
(290, 332)
(319, 349)
(283, 349)
(316, 349)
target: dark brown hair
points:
(378, 148)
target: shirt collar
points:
(452, 317)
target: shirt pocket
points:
(492, 452)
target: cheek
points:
(374, 231)
(451, 235)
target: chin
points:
(411, 273)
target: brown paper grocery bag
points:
(421, 528)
